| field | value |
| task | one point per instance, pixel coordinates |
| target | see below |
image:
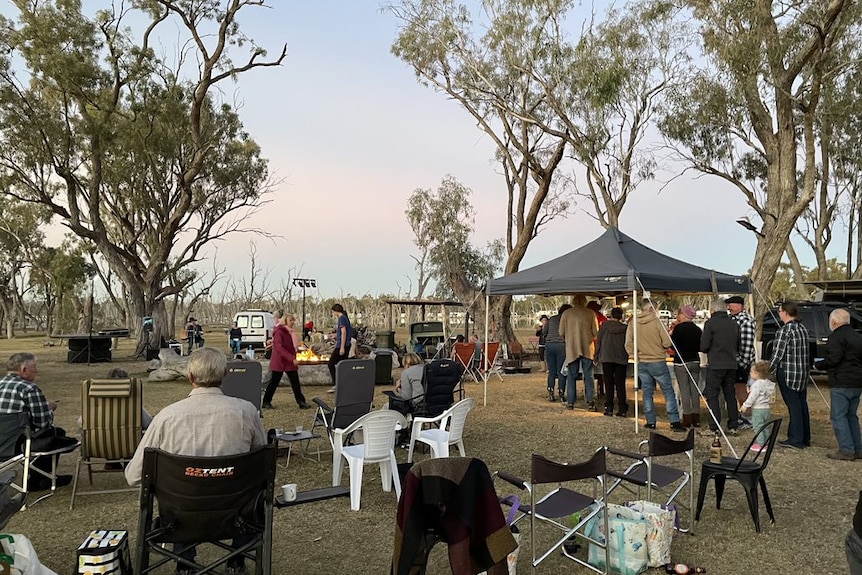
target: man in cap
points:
(745, 354)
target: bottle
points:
(714, 454)
(249, 353)
(682, 569)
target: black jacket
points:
(843, 359)
(720, 341)
(611, 343)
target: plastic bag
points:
(627, 542)
(661, 521)
(26, 562)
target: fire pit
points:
(313, 369)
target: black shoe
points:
(551, 397)
(302, 405)
(677, 426)
(267, 405)
(570, 406)
(234, 567)
(562, 397)
(44, 484)
(623, 413)
(591, 406)
(649, 425)
(609, 413)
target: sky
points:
(350, 133)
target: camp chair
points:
(463, 491)
(206, 500)
(111, 421)
(354, 393)
(378, 441)
(464, 354)
(442, 382)
(446, 429)
(749, 473)
(15, 432)
(645, 472)
(556, 507)
(490, 355)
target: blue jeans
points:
(845, 421)
(585, 365)
(799, 428)
(853, 549)
(650, 373)
(236, 345)
(555, 355)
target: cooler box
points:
(105, 552)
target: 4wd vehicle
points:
(815, 317)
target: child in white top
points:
(760, 395)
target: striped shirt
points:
(791, 356)
(18, 395)
(747, 331)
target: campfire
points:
(308, 356)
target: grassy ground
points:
(813, 497)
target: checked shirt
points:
(18, 395)
(791, 354)
(747, 330)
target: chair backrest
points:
(208, 498)
(354, 390)
(11, 429)
(441, 378)
(773, 427)
(464, 353)
(383, 369)
(458, 418)
(661, 445)
(490, 350)
(242, 380)
(378, 433)
(111, 418)
(516, 350)
(543, 470)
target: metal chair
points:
(464, 353)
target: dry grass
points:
(813, 496)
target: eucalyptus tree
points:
(131, 151)
(59, 275)
(749, 115)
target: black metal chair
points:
(645, 472)
(354, 394)
(560, 503)
(749, 472)
(207, 500)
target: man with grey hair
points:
(20, 394)
(205, 424)
(720, 342)
(843, 363)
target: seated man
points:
(19, 394)
(205, 424)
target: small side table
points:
(292, 437)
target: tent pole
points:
(637, 359)
(487, 319)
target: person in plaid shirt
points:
(790, 363)
(19, 394)
(745, 354)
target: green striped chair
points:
(110, 428)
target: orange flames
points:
(308, 356)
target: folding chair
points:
(447, 429)
(442, 382)
(645, 472)
(378, 441)
(111, 428)
(490, 355)
(206, 500)
(557, 505)
(749, 473)
(464, 354)
(462, 512)
(354, 393)
(15, 431)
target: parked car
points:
(814, 315)
(257, 326)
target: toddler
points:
(760, 395)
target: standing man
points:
(20, 394)
(579, 328)
(195, 334)
(843, 361)
(745, 355)
(720, 343)
(653, 343)
(790, 364)
(540, 345)
(205, 424)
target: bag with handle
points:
(661, 520)
(627, 540)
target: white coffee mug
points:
(289, 491)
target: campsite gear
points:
(661, 520)
(682, 569)
(715, 450)
(105, 551)
(627, 542)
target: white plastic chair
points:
(378, 432)
(450, 431)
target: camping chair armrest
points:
(322, 405)
(624, 453)
(513, 479)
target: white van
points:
(257, 326)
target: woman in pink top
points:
(283, 361)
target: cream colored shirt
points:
(204, 424)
